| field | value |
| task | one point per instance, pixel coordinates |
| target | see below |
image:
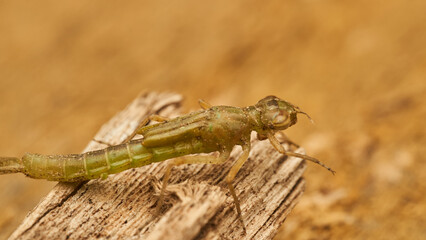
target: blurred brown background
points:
(357, 67)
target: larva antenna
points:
(310, 119)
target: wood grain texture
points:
(197, 203)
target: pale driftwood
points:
(198, 205)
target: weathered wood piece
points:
(197, 205)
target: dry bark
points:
(198, 204)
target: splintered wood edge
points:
(268, 186)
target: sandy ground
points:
(357, 67)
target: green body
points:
(206, 131)
(101, 163)
(213, 129)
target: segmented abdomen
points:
(96, 164)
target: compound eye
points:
(272, 103)
(280, 119)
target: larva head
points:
(277, 114)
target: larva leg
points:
(102, 142)
(144, 122)
(231, 175)
(158, 118)
(281, 149)
(287, 140)
(204, 105)
(188, 160)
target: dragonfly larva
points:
(213, 129)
